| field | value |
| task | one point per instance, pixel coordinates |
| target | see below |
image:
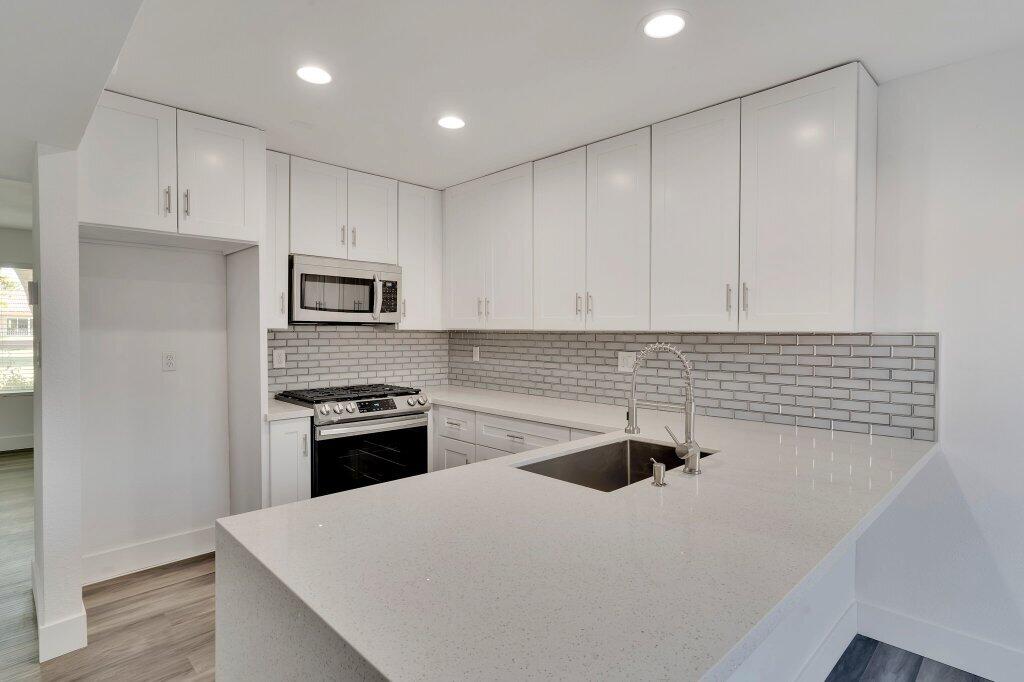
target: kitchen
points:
(435, 387)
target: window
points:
(16, 368)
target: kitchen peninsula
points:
(490, 571)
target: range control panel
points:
(380, 405)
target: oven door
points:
(328, 290)
(349, 456)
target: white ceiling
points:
(54, 59)
(16, 199)
(531, 77)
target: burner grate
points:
(345, 393)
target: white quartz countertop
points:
(278, 409)
(490, 572)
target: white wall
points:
(57, 564)
(16, 424)
(15, 246)
(950, 554)
(154, 443)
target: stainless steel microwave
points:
(335, 291)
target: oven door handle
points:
(328, 432)
(378, 293)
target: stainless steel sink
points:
(609, 467)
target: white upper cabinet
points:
(807, 215)
(619, 232)
(560, 241)
(221, 178)
(420, 256)
(372, 218)
(488, 247)
(128, 165)
(508, 297)
(465, 243)
(319, 209)
(274, 247)
(695, 203)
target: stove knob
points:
(351, 407)
(338, 409)
(422, 400)
(324, 410)
(411, 401)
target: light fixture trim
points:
(313, 74)
(664, 23)
(451, 122)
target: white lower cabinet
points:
(449, 453)
(484, 453)
(516, 435)
(291, 466)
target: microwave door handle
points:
(378, 293)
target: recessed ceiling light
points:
(314, 74)
(664, 24)
(451, 122)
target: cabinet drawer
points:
(455, 423)
(449, 453)
(516, 435)
(483, 452)
(583, 433)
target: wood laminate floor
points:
(152, 625)
(868, 660)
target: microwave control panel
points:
(389, 297)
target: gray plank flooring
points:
(152, 625)
(868, 660)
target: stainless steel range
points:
(364, 435)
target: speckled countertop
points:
(486, 571)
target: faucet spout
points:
(689, 446)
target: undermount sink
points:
(609, 467)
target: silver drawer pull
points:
(515, 436)
(454, 425)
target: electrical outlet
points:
(168, 362)
(476, 353)
(280, 358)
(626, 360)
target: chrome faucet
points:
(687, 450)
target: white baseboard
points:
(831, 648)
(22, 442)
(62, 636)
(131, 558)
(958, 649)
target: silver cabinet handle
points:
(487, 307)
(405, 309)
(353, 236)
(746, 298)
(282, 302)
(479, 307)
(515, 437)
(305, 445)
(579, 304)
(188, 202)
(454, 425)
(728, 298)
(590, 304)
(342, 234)
(167, 199)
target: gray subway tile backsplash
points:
(864, 383)
(848, 382)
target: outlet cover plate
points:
(168, 362)
(476, 353)
(626, 360)
(280, 358)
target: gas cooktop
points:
(354, 403)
